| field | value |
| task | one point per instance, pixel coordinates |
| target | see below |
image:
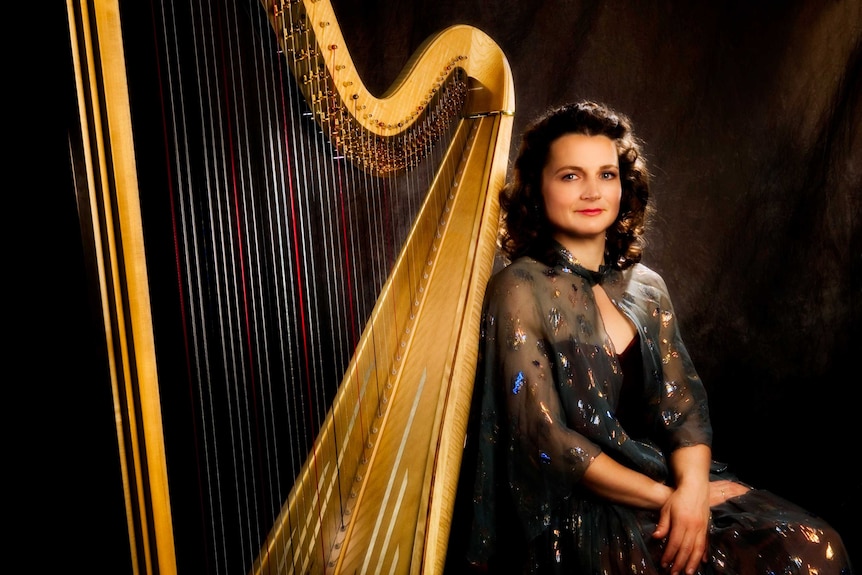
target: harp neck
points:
(431, 91)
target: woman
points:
(593, 432)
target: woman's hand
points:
(684, 517)
(684, 520)
(723, 489)
(684, 523)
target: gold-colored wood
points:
(109, 205)
(418, 452)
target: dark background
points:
(751, 116)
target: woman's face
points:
(581, 186)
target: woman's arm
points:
(684, 510)
(617, 483)
(522, 369)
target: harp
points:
(339, 439)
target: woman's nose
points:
(590, 190)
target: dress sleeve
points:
(522, 415)
(683, 412)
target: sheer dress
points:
(552, 393)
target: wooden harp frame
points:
(407, 460)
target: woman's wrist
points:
(662, 494)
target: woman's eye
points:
(569, 177)
(609, 175)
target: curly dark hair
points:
(524, 226)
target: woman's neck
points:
(588, 252)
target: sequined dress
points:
(548, 401)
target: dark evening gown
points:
(552, 393)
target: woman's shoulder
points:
(517, 279)
(522, 268)
(643, 273)
(641, 276)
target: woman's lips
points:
(590, 212)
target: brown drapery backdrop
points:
(751, 116)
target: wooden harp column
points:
(377, 487)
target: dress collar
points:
(561, 258)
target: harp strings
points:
(280, 245)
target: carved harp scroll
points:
(376, 492)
